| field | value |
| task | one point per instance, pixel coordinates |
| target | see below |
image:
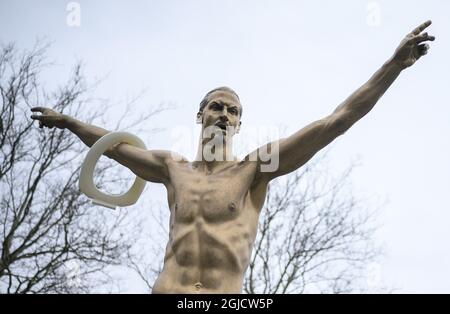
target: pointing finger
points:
(38, 109)
(421, 27)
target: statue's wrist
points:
(66, 121)
(395, 64)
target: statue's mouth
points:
(222, 126)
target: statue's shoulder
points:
(175, 158)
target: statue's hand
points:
(49, 118)
(410, 49)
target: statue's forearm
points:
(88, 133)
(364, 98)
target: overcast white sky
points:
(291, 62)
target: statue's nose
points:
(223, 116)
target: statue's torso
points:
(213, 225)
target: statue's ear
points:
(199, 117)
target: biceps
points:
(149, 165)
(297, 149)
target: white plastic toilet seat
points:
(86, 182)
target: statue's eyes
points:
(219, 107)
(216, 106)
(233, 111)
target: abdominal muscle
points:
(181, 279)
(199, 261)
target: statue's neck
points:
(212, 152)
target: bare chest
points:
(216, 197)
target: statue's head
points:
(221, 107)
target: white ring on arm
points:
(86, 182)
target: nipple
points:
(232, 207)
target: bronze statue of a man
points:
(215, 202)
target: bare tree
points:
(146, 258)
(52, 239)
(313, 236)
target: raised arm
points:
(298, 148)
(150, 165)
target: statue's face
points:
(223, 111)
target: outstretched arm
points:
(150, 165)
(297, 149)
